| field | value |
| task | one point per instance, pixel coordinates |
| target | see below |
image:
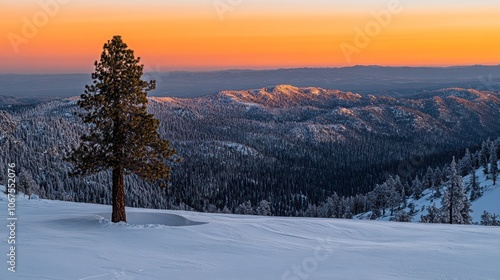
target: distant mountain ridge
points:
(444, 111)
(289, 96)
(376, 80)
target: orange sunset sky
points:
(66, 36)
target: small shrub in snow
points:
(489, 219)
(402, 216)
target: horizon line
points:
(275, 69)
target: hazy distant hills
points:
(377, 80)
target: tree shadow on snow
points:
(134, 219)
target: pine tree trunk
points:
(118, 214)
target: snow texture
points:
(65, 240)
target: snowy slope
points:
(490, 201)
(63, 240)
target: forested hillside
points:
(273, 150)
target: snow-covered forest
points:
(282, 151)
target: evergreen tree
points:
(455, 204)
(27, 184)
(475, 188)
(123, 135)
(264, 208)
(438, 181)
(347, 212)
(401, 190)
(493, 163)
(428, 178)
(402, 216)
(337, 206)
(326, 209)
(488, 219)
(465, 165)
(245, 208)
(379, 199)
(434, 215)
(394, 197)
(226, 210)
(311, 211)
(412, 211)
(3, 172)
(484, 156)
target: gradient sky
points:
(258, 34)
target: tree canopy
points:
(122, 136)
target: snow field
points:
(64, 240)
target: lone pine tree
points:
(122, 136)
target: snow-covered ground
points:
(64, 240)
